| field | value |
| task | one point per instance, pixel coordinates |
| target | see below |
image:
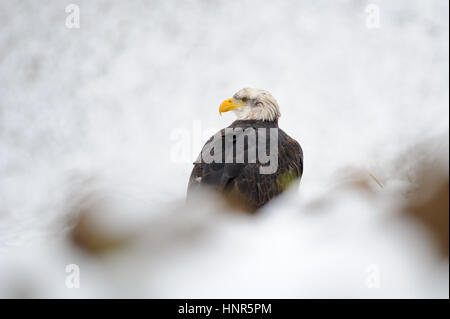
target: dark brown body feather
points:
(243, 182)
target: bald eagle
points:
(252, 160)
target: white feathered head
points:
(252, 104)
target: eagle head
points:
(252, 104)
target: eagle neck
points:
(254, 123)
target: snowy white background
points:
(100, 109)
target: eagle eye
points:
(244, 99)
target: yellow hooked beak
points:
(228, 105)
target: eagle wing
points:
(218, 175)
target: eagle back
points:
(237, 173)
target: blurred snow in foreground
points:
(86, 125)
